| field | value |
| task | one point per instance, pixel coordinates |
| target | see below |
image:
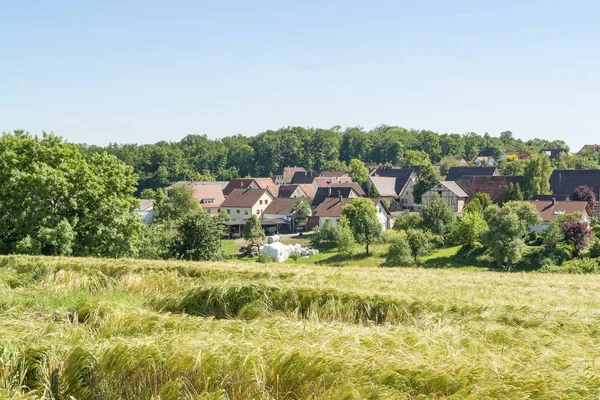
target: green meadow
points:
(129, 329)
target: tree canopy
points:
(362, 218)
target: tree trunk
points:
(367, 248)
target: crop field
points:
(129, 329)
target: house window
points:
(257, 212)
(238, 211)
(228, 211)
(266, 201)
(260, 202)
(440, 193)
(246, 212)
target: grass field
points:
(108, 329)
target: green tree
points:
(446, 163)
(469, 230)
(223, 216)
(512, 192)
(437, 216)
(301, 207)
(253, 231)
(328, 231)
(536, 177)
(358, 172)
(180, 202)
(480, 202)
(345, 242)
(362, 217)
(58, 240)
(198, 237)
(419, 242)
(514, 167)
(334, 165)
(148, 194)
(428, 178)
(408, 220)
(399, 254)
(415, 158)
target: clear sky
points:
(144, 71)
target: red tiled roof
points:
(331, 207)
(492, 185)
(324, 181)
(280, 205)
(549, 212)
(244, 197)
(244, 183)
(333, 174)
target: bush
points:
(577, 266)
(534, 239)
(399, 254)
(595, 249)
(264, 258)
(295, 256)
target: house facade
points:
(549, 210)
(243, 203)
(397, 186)
(450, 193)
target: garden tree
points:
(253, 232)
(63, 201)
(148, 194)
(428, 178)
(399, 254)
(362, 217)
(480, 202)
(575, 232)
(223, 216)
(469, 230)
(419, 242)
(514, 167)
(345, 242)
(300, 209)
(446, 163)
(506, 227)
(512, 192)
(328, 231)
(157, 241)
(552, 237)
(584, 193)
(334, 165)
(536, 176)
(180, 202)
(358, 172)
(415, 158)
(437, 216)
(198, 237)
(408, 220)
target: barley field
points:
(112, 329)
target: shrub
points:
(264, 258)
(295, 256)
(399, 254)
(577, 266)
(595, 249)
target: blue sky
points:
(144, 71)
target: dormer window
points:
(559, 212)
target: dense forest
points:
(266, 154)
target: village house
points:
(483, 160)
(347, 192)
(244, 183)
(397, 186)
(281, 208)
(287, 175)
(331, 208)
(555, 153)
(291, 191)
(549, 210)
(450, 193)
(146, 211)
(454, 173)
(210, 197)
(593, 147)
(304, 177)
(243, 203)
(494, 186)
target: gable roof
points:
(324, 181)
(274, 189)
(549, 211)
(243, 183)
(331, 192)
(492, 185)
(333, 174)
(401, 175)
(309, 189)
(454, 188)
(146, 205)
(385, 186)
(208, 192)
(288, 190)
(246, 198)
(301, 177)
(288, 173)
(280, 206)
(454, 173)
(565, 181)
(331, 207)
(221, 184)
(554, 153)
(483, 158)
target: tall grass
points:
(102, 329)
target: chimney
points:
(340, 196)
(329, 191)
(553, 202)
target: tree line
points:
(196, 157)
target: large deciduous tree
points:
(584, 193)
(358, 172)
(428, 178)
(253, 231)
(362, 217)
(198, 237)
(437, 216)
(536, 177)
(62, 202)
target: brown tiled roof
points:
(454, 173)
(274, 189)
(244, 197)
(331, 207)
(492, 185)
(357, 188)
(243, 183)
(208, 192)
(281, 206)
(549, 212)
(263, 183)
(287, 190)
(331, 191)
(302, 177)
(309, 189)
(288, 172)
(333, 174)
(324, 181)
